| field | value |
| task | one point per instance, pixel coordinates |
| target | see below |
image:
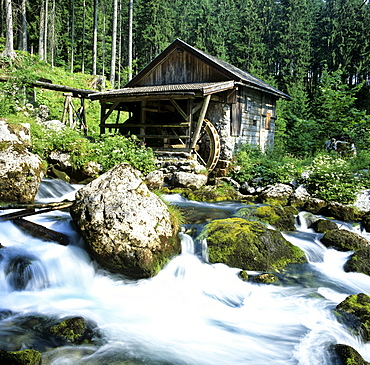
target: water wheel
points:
(208, 148)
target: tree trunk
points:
(95, 36)
(9, 45)
(114, 44)
(42, 30)
(104, 36)
(119, 45)
(72, 35)
(24, 27)
(130, 40)
(83, 36)
(46, 30)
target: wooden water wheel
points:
(208, 147)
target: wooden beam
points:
(110, 111)
(178, 108)
(132, 125)
(200, 120)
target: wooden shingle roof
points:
(202, 89)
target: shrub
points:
(112, 149)
(254, 167)
(331, 179)
(108, 150)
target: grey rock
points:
(126, 227)
(20, 174)
(188, 180)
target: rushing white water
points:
(192, 312)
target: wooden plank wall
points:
(179, 68)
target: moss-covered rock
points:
(243, 275)
(282, 218)
(249, 245)
(24, 357)
(209, 193)
(365, 221)
(323, 226)
(344, 240)
(354, 311)
(72, 330)
(348, 355)
(359, 262)
(339, 211)
(266, 278)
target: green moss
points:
(282, 218)
(209, 193)
(243, 275)
(249, 245)
(70, 329)
(266, 278)
(24, 357)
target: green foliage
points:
(257, 168)
(112, 149)
(331, 179)
(108, 150)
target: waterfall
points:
(192, 312)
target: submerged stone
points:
(248, 245)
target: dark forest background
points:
(317, 51)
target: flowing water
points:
(192, 312)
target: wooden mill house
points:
(186, 102)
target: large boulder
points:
(249, 245)
(20, 173)
(126, 227)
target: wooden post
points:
(102, 117)
(142, 119)
(190, 120)
(200, 120)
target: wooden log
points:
(41, 232)
(29, 212)
(33, 205)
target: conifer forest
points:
(317, 51)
